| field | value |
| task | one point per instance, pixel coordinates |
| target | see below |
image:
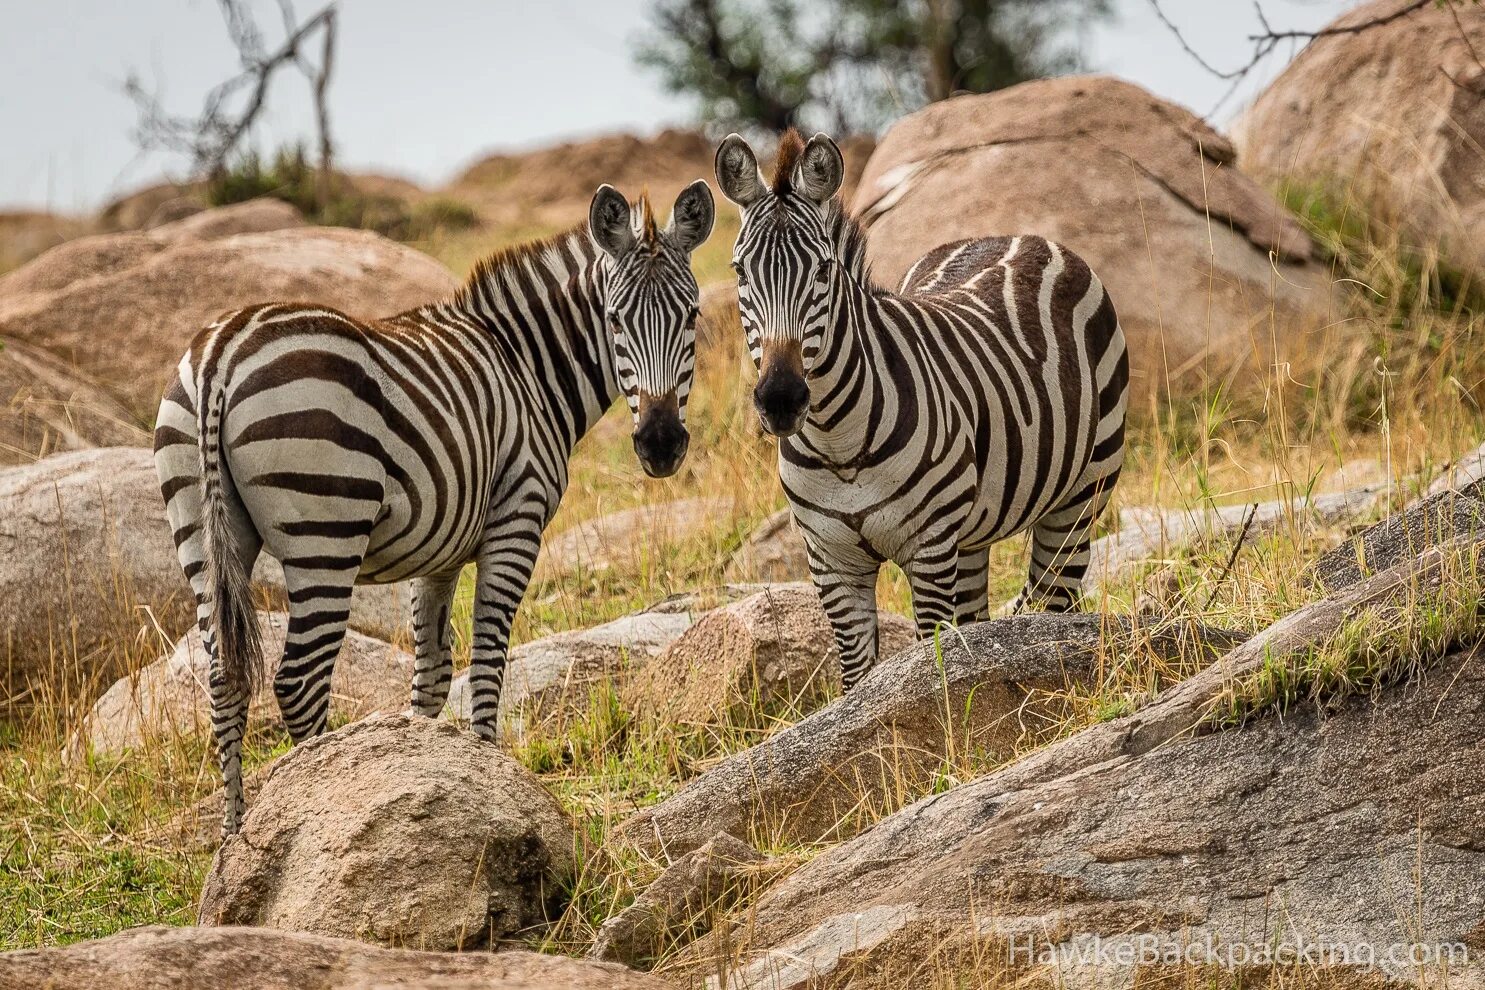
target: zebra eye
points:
(742, 277)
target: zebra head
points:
(785, 259)
(650, 306)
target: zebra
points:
(377, 451)
(985, 397)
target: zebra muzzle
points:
(660, 439)
(782, 396)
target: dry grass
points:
(1396, 400)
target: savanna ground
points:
(88, 848)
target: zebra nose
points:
(660, 443)
(782, 398)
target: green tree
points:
(852, 65)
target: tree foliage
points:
(852, 65)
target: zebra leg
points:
(229, 702)
(972, 587)
(1059, 550)
(848, 593)
(178, 462)
(433, 672)
(319, 607)
(933, 575)
(503, 570)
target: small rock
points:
(773, 552)
(554, 674)
(770, 652)
(682, 901)
(171, 697)
(398, 829)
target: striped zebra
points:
(983, 398)
(372, 452)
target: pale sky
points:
(423, 88)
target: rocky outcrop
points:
(989, 688)
(552, 676)
(262, 959)
(1391, 117)
(123, 307)
(682, 902)
(1151, 532)
(627, 537)
(89, 575)
(770, 653)
(1430, 522)
(171, 697)
(1144, 191)
(1464, 472)
(399, 829)
(47, 406)
(1162, 825)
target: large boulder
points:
(90, 581)
(768, 654)
(1166, 829)
(83, 546)
(399, 829)
(989, 688)
(125, 306)
(48, 406)
(26, 233)
(554, 675)
(1393, 115)
(155, 957)
(171, 697)
(1144, 191)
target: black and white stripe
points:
(985, 397)
(374, 452)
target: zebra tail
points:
(234, 623)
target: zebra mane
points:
(850, 242)
(791, 146)
(492, 270)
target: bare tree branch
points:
(1268, 39)
(230, 108)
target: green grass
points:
(1372, 650)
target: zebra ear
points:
(610, 221)
(820, 171)
(691, 220)
(737, 172)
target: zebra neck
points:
(542, 305)
(844, 383)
